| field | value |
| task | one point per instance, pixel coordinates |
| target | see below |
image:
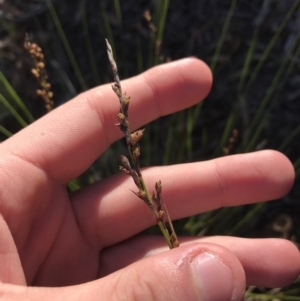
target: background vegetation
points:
(252, 48)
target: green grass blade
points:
(257, 208)
(163, 11)
(223, 36)
(290, 138)
(139, 57)
(245, 70)
(256, 135)
(193, 114)
(180, 146)
(297, 166)
(16, 97)
(248, 59)
(271, 45)
(118, 13)
(266, 297)
(10, 108)
(5, 132)
(174, 147)
(67, 46)
(275, 85)
(73, 185)
(160, 17)
(189, 134)
(226, 134)
(88, 43)
(168, 145)
(250, 52)
(197, 109)
(107, 29)
(64, 82)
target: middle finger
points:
(108, 212)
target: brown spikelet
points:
(154, 202)
(39, 72)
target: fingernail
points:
(212, 277)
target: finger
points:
(267, 262)
(188, 189)
(188, 273)
(11, 267)
(66, 141)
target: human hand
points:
(83, 244)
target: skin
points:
(84, 245)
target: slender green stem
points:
(107, 28)
(297, 165)
(223, 36)
(118, 12)
(73, 185)
(226, 133)
(11, 109)
(162, 11)
(290, 138)
(6, 132)
(165, 233)
(265, 297)
(89, 46)
(66, 45)
(247, 218)
(277, 81)
(270, 46)
(16, 97)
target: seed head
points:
(136, 136)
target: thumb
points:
(192, 272)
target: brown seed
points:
(161, 214)
(142, 193)
(136, 152)
(125, 162)
(123, 169)
(136, 136)
(121, 117)
(158, 187)
(41, 65)
(126, 100)
(40, 92)
(35, 72)
(174, 240)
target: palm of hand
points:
(43, 225)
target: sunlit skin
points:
(50, 238)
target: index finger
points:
(65, 142)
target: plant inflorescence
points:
(154, 201)
(39, 73)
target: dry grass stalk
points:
(154, 201)
(151, 26)
(231, 143)
(39, 73)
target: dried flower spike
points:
(231, 143)
(154, 202)
(39, 73)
